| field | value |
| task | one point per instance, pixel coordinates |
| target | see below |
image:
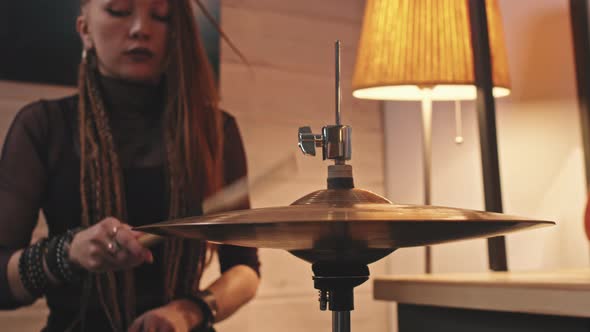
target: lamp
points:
(422, 50)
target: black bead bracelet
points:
(30, 268)
(55, 253)
(58, 261)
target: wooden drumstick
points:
(237, 191)
(148, 240)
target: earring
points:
(84, 55)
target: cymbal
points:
(378, 225)
(342, 228)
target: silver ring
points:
(113, 246)
(114, 232)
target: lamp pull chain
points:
(458, 123)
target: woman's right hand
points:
(108, 245)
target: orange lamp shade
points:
(407, 45)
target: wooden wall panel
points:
(290, 83)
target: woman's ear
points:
(84, 32)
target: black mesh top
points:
(40, 171)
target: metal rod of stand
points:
(427, 157)
(340, 321)
(486, 115)
(338, 90)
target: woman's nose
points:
(140, 27)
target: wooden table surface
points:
(564, 293)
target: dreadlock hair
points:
(193, 140)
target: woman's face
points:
(128, 36)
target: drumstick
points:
(148, 240)
(235, 192)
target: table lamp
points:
(422, 50)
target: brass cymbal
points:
(343, 225)
(323, 226)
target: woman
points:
(143, 141)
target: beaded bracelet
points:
(51, 259)
(30, 268)
(208, 305)
(73, 273)
(57, 259)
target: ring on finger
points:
(114, 232)
(114, 246)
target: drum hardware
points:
(342, 229)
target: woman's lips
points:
(139, 54)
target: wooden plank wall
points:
(290, 83)
(290, 46)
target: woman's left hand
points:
(177, 316)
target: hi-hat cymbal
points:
(335, 225)
(325, 227)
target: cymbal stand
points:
(335, 281)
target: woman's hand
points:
(108, 246)
(177, 316)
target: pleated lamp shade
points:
(407, 45)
